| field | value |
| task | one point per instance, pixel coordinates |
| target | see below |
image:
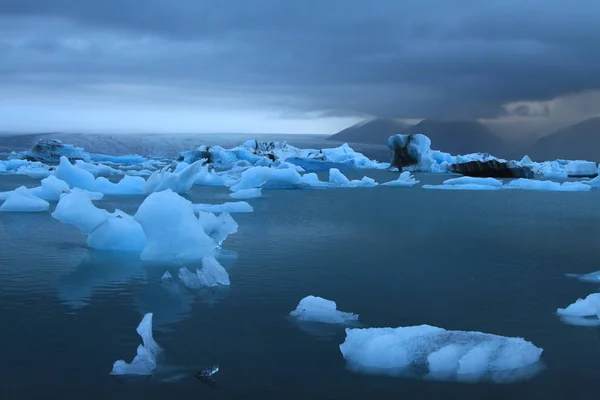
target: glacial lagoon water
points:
(484, 261)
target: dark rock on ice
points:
(492, 169)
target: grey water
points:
(484, 261)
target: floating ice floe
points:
(97, 169)
(531, 184)
(172, 229)
(258, 177)
(22, 200)
(468, 183)
(75, 177)
(338, 179)
(247, 194)
(435, 353)
(318, 309)
(588, 307)
(592, 277)
(128, 185)
(230, 207)
(211, 274)
(118, 232)
(218, 228)
(144, 362)
(76, 208)
(580, 168)
(406, 179)
(179, 182)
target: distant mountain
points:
(459, 137)
(455, 137)
(371, 131)
(580, 141)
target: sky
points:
(302, 66)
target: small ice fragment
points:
(318, 309)
(144, 362)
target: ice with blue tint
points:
(338, 179)
(581, 168)
(590, 306)
(218, 228)
(468, 183)
(76, 208)
(97, 169)
(22, 200)
(257, 177)
(172, 229)
(435, 353)
(144, 363)
(128, 185)
(212, 273)
(318, 309)
(118, 232)
(126, 159)
(406, 179)
(51, 188)
(247, 194)
(230, 207)
(179, 182)
(531, 184)
(75, 177)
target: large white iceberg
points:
(318, 309)
(144, 362)
(531, 184)
(172, 229)
(447, 355)
(22, 200)
(51, 188)
(76, 208)
(406, 179)
(118, 232)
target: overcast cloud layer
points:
(279, 63)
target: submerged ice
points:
(446, 355)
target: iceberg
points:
(179, 182)
(118, 232)
(189, 279)
(172, 229)
(75, 177)
(218, 228)
(97, 169)
(22, 200)
(531, 184)
(144, 362)
(76, 208)
(579, 169)
(230, 207)
(247, 194)
(256, 177)
(50, 151)
(212, 273)
(590, 306)
(445, 355)
(318, 309)
(50, 189)
(338, 179)
(468, 183)
(406, 179)
(128, 185)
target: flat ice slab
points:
(590, 306)
(406, 179)
(230, 207)
(446, 355)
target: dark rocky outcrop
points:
(492, 169)
(50, 151)
(401, 146)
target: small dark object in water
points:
(205, 374)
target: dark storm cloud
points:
(453, 59)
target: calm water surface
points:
(485, 261)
